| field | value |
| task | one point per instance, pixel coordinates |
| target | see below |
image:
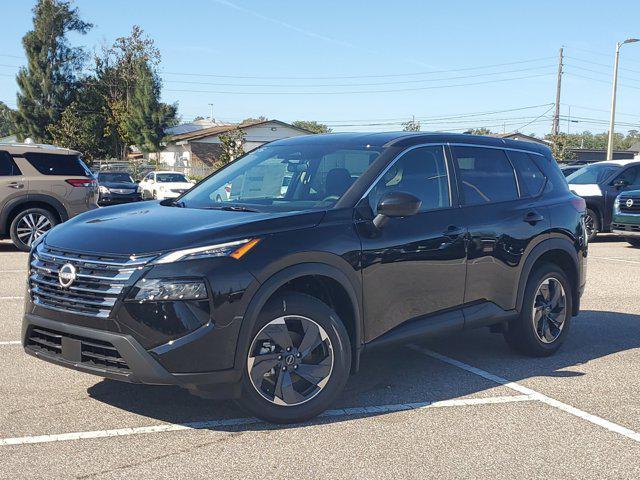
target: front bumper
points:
(107, 354)
(115, 199)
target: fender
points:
(537, 252)
(271, 285)
(16, 202)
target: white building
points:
(195, 147)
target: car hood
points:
(150, 227)
(123, 185)
(182, 185)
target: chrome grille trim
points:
(99, 280)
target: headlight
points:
(231, 249)
(102, 189)
(167, 290)
(616, 204)
(162, 188)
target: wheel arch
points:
(559, 252)
(333, 282)
(15, 206)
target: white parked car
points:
(161, 185)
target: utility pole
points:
(211, 105)
(556, 116)
(612, 120)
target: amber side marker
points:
(239, 253)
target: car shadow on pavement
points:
(402, 375)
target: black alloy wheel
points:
(298, 360)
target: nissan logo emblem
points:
(66, 275)
(629, 203)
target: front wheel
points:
(29, 225)
(298, 360)
(592, 224)
(544, 321)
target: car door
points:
(12, 182)
(412, 266)
(503, 220)
(628, 179)
(145, 185)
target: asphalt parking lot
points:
(462, 406)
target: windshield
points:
(171, 178)
(114, 177)
(593, 174)
(284, 178)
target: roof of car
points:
(617, 162)
(384, 139)
(22, 148)
(167, 171)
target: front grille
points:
(122, 191)
(96, 354)
(634, 208)
(95, 290)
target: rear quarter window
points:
(55, 164)
(8, 167)
(531, 178)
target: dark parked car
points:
(569, 169)
(116, 188)
(599, 184)
(273, 296)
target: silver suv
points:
(41, 186)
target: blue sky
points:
(447, 63)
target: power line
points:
(609, 67)
(342, 77)
(352, 92)
(601, 81)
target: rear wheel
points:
(298, 360)
(29, 225)
(544, 321)
(592, 224)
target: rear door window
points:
(531, 179)
(8, 167)
(55, 164)
(486, 175)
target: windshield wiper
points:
(233, 208)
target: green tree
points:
(83, 124)
(249, 120)
(147, 118)
(47, 83)
(232, 145)
(312, 126)
(479, 131)
(6, 120)
(411, 126)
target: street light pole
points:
(612, 120)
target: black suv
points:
(116, 188)
(272, 295)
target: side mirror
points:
(396, 204)
(620, 184)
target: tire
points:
(635, 242)
(304, 320)
(524, 333)
(29, 225)
(154, 195)
(592, 223)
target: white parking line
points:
(601, 422)
(611, 259)
(9, 342)
(12, 298)
(22, 270)
(235, 422)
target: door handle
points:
(533, 218)
(16, 185)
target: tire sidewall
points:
(596, 223)
(310, 307)
(14, 225)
